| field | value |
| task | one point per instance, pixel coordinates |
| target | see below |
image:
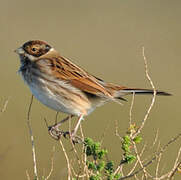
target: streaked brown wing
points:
(66, 70)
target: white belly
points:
(55, 93)
(48, 98)
(58, 102)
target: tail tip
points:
(162, 93)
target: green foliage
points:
(97, 164)
(128, 157)
(109, 167)
(95, 177)
(42, 178)
(109, 170)
(110, 173)
(94, 149)
(126, 144)
(137, 139)
(101, 166)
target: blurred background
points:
(105, 38)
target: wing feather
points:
(63, 69)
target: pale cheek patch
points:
(30, 57)
(52, 49)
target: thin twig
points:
(84, 156)
(170, 142)
(104, 132)
(131, 109)
(139, 160)
(154, 158)
(32, 139)
(27, 175)
(175, 170)
(134, 167)
(178, 156)
(136, 177)
(157, 166)
(116, 130)
(153, 98)
(67, 159)
(4, 106)
(77, 157)
(77, 175)
(176, 165)
(155, 139)
(52, 164)
(73, 146)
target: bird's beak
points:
(19, 51)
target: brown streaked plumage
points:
(62, 85)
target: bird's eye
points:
(47, 47)
(33, 49)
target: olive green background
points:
(105, 37)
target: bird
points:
(64, 86)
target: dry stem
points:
(32, 139)
(4, 106)
(153, 98)
(52, 164)
(67, 159)
(131, 109)
(27, 175)
(154, 158)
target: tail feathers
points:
(145, 91)
(128, 91)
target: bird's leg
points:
(77, 125)
(56, 133)
(76, 139)
(54, 130)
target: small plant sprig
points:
(97, 165)
(127, 142)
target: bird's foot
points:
(56, 134)
(74, 138)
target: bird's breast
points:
(57, 94)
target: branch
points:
(52, 164)
(67, 159)
(32, 139)
(153, 98)
(4, 106)
(154, 158)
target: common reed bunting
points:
(65, 87)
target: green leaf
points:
(127, 139)
(95, 177)
(137, 139)
(117, 176)
(101, 166)
(130, 158)
(109, 167)
(102, 153)
(91, 165)
(126, 147)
